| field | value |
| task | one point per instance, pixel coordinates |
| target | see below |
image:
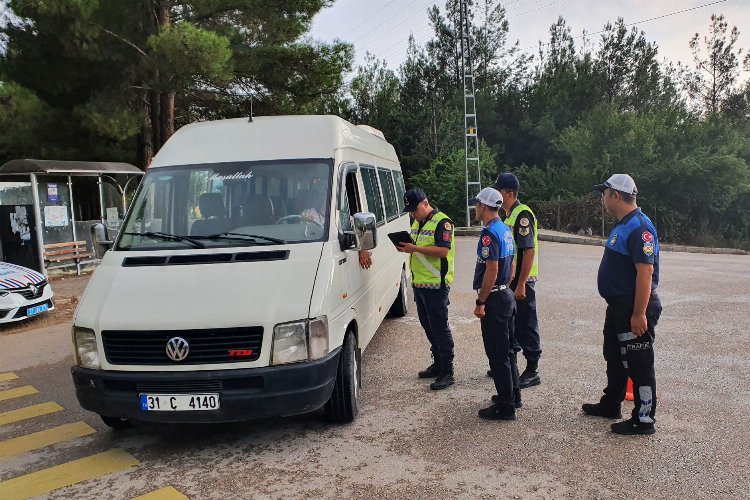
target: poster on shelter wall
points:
(19, 223)
(52, 194)
(113, 218)
(56, 216)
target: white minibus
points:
(234, 288)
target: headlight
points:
(85, 348)
(289, 343)
(318, 337)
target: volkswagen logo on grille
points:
(177, 349)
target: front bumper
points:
(244, 394)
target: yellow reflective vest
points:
(426, 272)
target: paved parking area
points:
(410, 442)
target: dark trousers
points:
(497, 334)
(527, 325)
(630, 356)
(432, 309)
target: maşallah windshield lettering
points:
(238, 175)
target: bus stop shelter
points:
(47, 206)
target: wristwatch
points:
(479, 302)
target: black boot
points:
(498, 412)
(601, 410)
(431, 371)
(445, 379)
(518, 403)
(530, 376)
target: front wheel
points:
(400, 306)
(343, 405)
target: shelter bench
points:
(73, 250)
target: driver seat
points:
(258, 211)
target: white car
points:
(23, 293)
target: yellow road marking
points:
(53, 478)
(48, 437)
(4, 377)
(26, 390)
(168, 493)
(12, 416)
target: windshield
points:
(230, 204)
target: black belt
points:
(495, 288)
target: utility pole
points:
(471, 137)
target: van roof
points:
(269, 138)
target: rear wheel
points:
(117, 423)
(400, 306)
(343, 405)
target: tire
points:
(343, 405)
(400, 306)
(117, 423)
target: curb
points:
(587, 240)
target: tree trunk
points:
(145, 137)
(167, 116)
(154, 109)
(166, 123)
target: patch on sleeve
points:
(485, 252)
(486, 241)
(613, 239)
(524, 221)
(648, 248)
(446, 235)
(524, 231)
(448, 226)
(647, 236)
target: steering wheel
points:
(298, 219)
(291, 219)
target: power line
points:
(399, 24)
(386, 21)
(641, 21)
(537, 9)
(367, 19)
(389, 49)
(663, 16)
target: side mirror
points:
(99, 239)
(365, 231)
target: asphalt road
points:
(410, 442)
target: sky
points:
(382, 27)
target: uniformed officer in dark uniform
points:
(495, 305)
(432, 266)
(520, 218)
(628, 278)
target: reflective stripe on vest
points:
(425, 270)
(510, 221)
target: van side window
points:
(400, 189)
(389, 193)
(372, 192)
(350, 204)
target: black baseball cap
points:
(412, 198)
(507, 180)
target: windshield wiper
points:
(248, 237)
(169, 237)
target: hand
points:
(638, 324)
(365, 260)
(479, 312)
(407, 247)
(520, 291)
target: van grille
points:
(147, 347)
